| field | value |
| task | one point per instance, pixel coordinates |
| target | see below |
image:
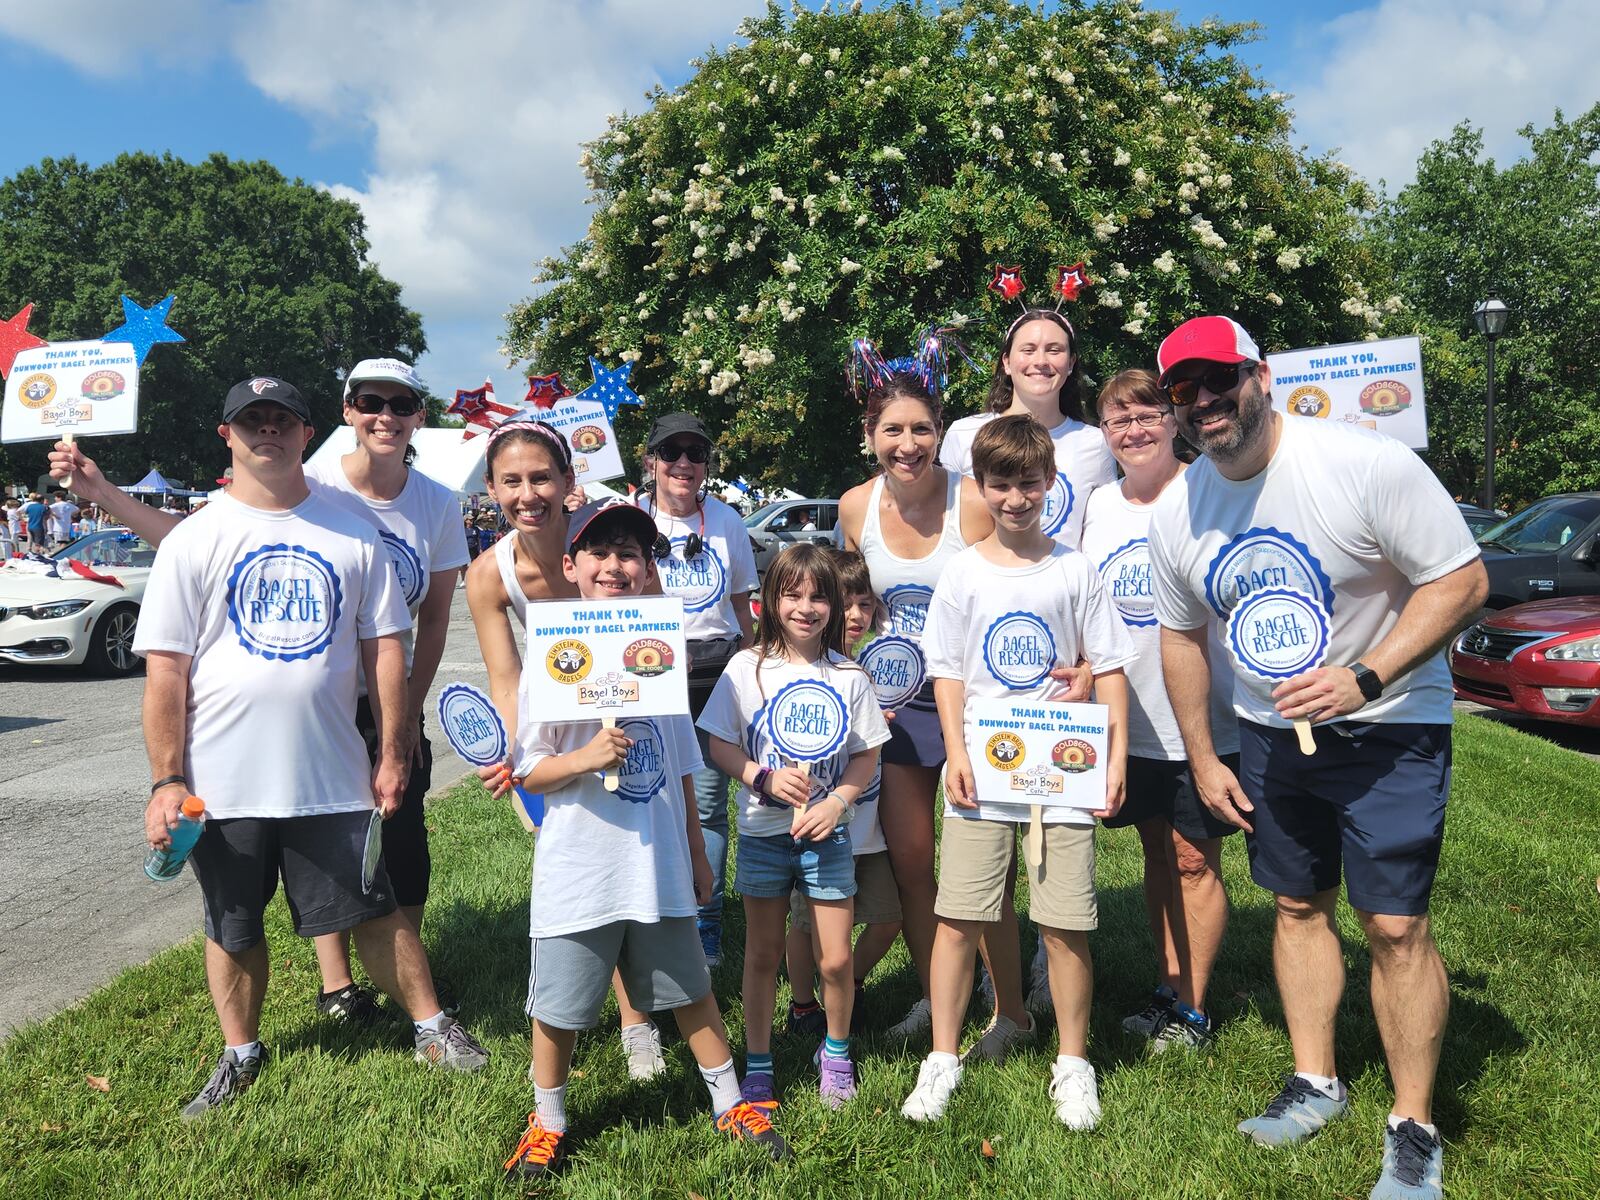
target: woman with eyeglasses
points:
(704, 557)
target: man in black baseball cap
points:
(265, 389)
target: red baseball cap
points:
(1214, 339)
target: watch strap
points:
(1367, 680)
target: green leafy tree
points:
(1528, 233)
(270, 277)
(848, 173)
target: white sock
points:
(723, 1084)
(247, 1050)
(1078, 1066)
(551, 1105)
(1328, 1085)
(1395, 1119)
(949, 1061)
(432, 1024)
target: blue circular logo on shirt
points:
(407, 566)
(897, 668)
(1126, 574)
(807, 720)
(470, 722)
(1277, 633)
(643, 774)
(1057, 505)
(284, 602)
(1264, 558)
(700, 583)
(907, 604)
(1019, 649)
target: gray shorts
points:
(238, 863)
(662, 964)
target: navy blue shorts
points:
(1372, 798)
(915, 737)
(1162, 788)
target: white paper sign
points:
(1374, 384)
(1038, 752)
(588, 431)
(79, 388)
(588, 659)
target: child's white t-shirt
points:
(615, 856)
(272, 606)
(845, 710)
(1000, 631)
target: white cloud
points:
(1386, 81)
(108, 39)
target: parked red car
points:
(1541, 659)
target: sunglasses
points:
(1218, 379)
(370, 404)
(698, 452)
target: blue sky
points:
(458, 132)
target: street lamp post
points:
(1490, 316)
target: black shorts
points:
(238, 863)
(405, 834)
(1164, 788)
(916, 738)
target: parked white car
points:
(787, 522)
(61, 619)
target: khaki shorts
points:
(975, 855)
(877, 894)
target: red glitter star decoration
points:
(478, 407)
(1071, 280)
(1007, 281)
(545, 390)
(15, 338)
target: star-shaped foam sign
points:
(15, 338)
(142, 328)
(545, 390)
(1071, 280)
(479, 407)
(1007, 281)
(610, 388)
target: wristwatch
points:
(1367, 680)
(759, 784)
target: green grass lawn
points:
(350, 1115)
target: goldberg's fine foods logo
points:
(568, 661)
(37, 390)
(1004, 751)
(586, 439)
(648, 657)
(1072, 755)
(1310, 401)
(1384, 397)
(103, 385)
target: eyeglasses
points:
(1144, 420)
(698, 452)
(370, 404)
(1217, 379)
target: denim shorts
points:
(769, 867)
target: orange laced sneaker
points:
(540, 1153)
(748, 1122)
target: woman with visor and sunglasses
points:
(704, 557)
(419, 521)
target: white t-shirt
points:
(1083, 463)
(273, 606)
(1116, 541)
(421, 527)
(612, 856)
(724, 568)
(1350, 517)
(1000, 630)
(61, 514)
(835, 703)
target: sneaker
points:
(1076, 1095)
(450, 1047)
(710, 930)
(744, 1122)
(1295, 1113)
(352, 1003)
(642, 1045)
(931, 1096)
(1147, 1022)
(838, 1082)
(915, 1023)
(760, 1090)
(446, 995)
(1185, 1028)
(858, 1012)
(1413, 1165)
(1002, 1036)
(540, 1154)
(1039, 1000)
(231, 1079)
(806, 1022)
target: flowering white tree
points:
(845, 173)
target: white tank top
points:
(505, 557)
(905, 585)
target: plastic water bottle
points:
(167, 864)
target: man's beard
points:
(1252, 408)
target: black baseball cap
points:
(265, 389)
(634, 521)
(672, 424)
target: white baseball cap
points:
(382, 370)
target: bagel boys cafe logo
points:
(284, 602)
(1019, 650)
(700, 581)
(1264, 558)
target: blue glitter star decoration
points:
(610, 388)
(142, 328)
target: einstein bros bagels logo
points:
(1019, 650)
(1310, 401)
(568, 661)
(284, 602)
(1004, 751)
(37, 390)
(807, 720)
(647, 657)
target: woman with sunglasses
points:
(709, 563)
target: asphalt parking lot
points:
(75, 906)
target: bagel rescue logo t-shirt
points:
(272, 607)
